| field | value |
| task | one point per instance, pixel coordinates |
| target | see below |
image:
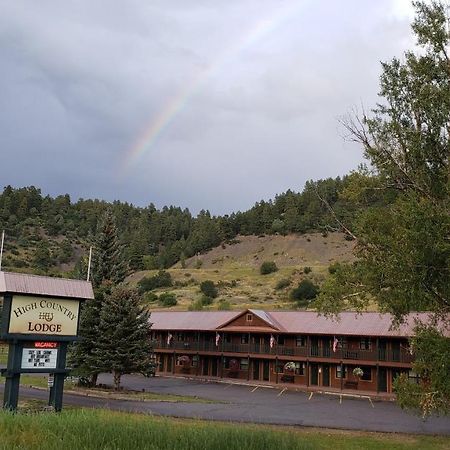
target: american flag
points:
(272, 341)
(335, 344)
(217, 339)
(169, 338)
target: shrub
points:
(283, 283)
(307, 270)
(198, 263)
(167, 299)
(332, 268)
(268, 267)
(305, 292)
(150, 297)
(224, 305)
(161, 279)
(208, 288)
(205, 300)
(196, 306)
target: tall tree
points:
(108, 263)
(124, 344)
(404, 248)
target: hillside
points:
(234, 268)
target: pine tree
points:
(82, 357)
(124, 344)
(108, 263)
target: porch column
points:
(307, 373)
(173, 362)
(378, 366)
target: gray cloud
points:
(80, 82)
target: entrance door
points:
(256, 369)
(205, 366)
(382, 350)
(266, 370)
(382, 379)
(214, 367)
(325, 375)
(314, 374)
(169, 363)
(314, 350)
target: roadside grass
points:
(84, 429)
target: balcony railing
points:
(392, 355)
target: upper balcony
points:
(312, 352)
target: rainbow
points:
(169, 112)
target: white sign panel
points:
(39, 358)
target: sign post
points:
(40, 317)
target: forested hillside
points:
(52, 235)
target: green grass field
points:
(87, 429)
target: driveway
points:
(264, 405)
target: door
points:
(325, 375)
(382, 379)
(214, 367)
(326, 345)
(395, 345)
(266, 370)
(205, 366)
(314, 374)
(256, 369)
(314, 350)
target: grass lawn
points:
(89, 429)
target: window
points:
(226, 362)
(300, 341)
(342, 342)
(299, 368)
(180, 337)
(228, 338)
(249, 317)
(413, 377)
(365, 344)
(280, 340)
(367, 373)
(195, 361)
(244, 364)
(339, 373)
(244, 338)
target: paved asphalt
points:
(263, 405)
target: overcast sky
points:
(210, 104)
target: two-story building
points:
(298, 347)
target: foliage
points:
(307, 270)
(108, 264)
(161, 279)
(167, 299)
(82, 355)
(196, 305)
(224, 305)
(304, 292)
(209, 289)
(432, 364)
(358, 372)
(283, 283)
(268, 267)
(123, 344)
(403, 246)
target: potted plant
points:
(185, 362)
(358, 372)
(233, 368)
(289, 369)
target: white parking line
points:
(310, 395)
(281, 392)
(254, 389)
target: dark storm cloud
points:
(80, 82)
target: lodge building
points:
(299, 348)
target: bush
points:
(268, 267)
(307, 270)
(150, 297)
(205, 300)
(283, 283)
(167, 299)
(224, 305)
(209, 289)
(332, 268)
(161, 279)
(305, 292)
(196, 306)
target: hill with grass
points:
(234, 268)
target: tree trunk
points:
(93, 379)
(117, 375)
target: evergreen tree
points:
(123, 336)
(108, 263)
(82, 356)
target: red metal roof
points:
(301, 322)
(22, 283)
